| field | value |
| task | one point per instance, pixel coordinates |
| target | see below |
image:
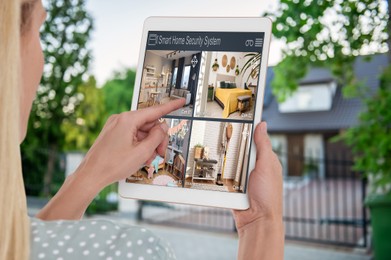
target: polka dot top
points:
(94, 239)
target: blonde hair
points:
(14, 222)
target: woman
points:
(127, 141)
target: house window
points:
(174, 75)
(311, 97)
(185, 78)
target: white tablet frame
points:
(189, 24)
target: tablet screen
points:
(217, 73)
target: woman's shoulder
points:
(94, 239)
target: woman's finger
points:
(151, 114)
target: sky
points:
(116, 38)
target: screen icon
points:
(258, 42)
(152, 39)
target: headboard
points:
(224, 77)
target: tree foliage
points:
(89, 118)
(118, 91)
(329, 33)
(64, 35)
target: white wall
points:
(201, 134)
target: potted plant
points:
(371, 145)
(215, 65)
(237, 71)
(198, 149)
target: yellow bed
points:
(227, 98)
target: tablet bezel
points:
(205, 24)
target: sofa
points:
(181, 93)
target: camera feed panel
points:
(228, 86)
(170, 75)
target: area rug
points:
(164, 180)
(202, 186)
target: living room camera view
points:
(228, 85)
(170, 169)
(169, 75)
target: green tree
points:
(64, 39)
(118, 91)
(82, 129)
(328, 33)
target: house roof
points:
(344, 112)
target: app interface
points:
(217, 73)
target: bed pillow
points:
(232, 85)
(223, 84)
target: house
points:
(302, 127)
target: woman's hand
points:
(126, 142)
(260, 228)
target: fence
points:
(322, 208)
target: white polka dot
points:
(70, 226)
(141, 258)
(166, 249)
(60, 243)
(41, 255)
(35, 231)
(96, 245)
(123, 235)
(117, 253)
(112, 246)
(109, 242)
(86, 252)
(49, 231)
(151, 239)
(143, 230)
(117, 227)
(102, 253)
(92, 235)
(53, 235)
(93, 222)
(60, 258)
(67, 237)
(113, 237)
(129, 255)
(82, 228)
(45, 244)
(157, 248)
(139, 242)
(109, 258)
(82, 243)
(129, 244)
(70, 250)
(34, 224)
(55, 252)
(37, 239)
(103, 227)
(149, 251)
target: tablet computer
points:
(218, 65)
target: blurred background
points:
(326, 104)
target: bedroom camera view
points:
(229, 85)
(210, 136)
